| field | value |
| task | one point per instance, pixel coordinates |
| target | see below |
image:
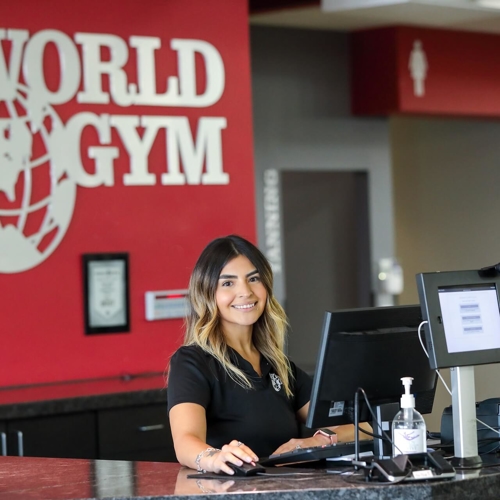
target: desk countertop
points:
(67, 397)
(67, 479)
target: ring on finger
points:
(298, 447)
(239, 443)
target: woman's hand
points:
(235, 452)
(294, 444)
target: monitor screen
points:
(370, 348)
(463, 314)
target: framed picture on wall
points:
(106, 293)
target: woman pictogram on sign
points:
(418, 68)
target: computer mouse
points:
(246, 469)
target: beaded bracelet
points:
(200, 456)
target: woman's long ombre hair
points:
(203, 322)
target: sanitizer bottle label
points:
(409, 441)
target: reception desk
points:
(69, 479)
(117, 418)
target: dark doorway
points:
(326, 252)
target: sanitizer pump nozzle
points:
(407, 399)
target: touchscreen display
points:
(471, 317)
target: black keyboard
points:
(317, 453)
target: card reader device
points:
(414, 467)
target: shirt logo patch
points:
(276, 381)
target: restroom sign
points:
(412, 70)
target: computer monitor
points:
(371, 348)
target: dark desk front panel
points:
(68, 436)
(138, 433)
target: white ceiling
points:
(348, 15)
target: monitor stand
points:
(463, 398)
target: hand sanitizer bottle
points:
(408, 427)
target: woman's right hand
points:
(189, 425)
(235, 452)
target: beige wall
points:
(446, 177)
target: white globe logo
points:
(37, 191)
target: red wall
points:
(162, 227)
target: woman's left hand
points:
(294, 444)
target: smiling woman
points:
(233, 394)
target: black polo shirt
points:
(263, 417)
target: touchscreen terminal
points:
(471, 317)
